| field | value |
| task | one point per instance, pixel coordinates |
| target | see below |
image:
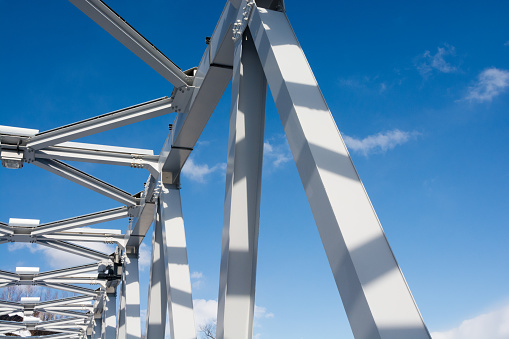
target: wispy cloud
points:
(276, 151)
(506, 43)
(200, 172)
(428, 62)
(369, 84)
(197, 279)
(493, 325)
(490, 83)
(379, 143)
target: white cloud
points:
(493, 325)
(427, 62)
(59, 259)
(490, 83)
(506, 43)
(197, 279)
(145, 257)
(198, 172)
(276, 151)
(261, 312)
(378, 143)
(205, 312)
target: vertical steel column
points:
(132, 295)
(98, 321)
(121, 333)
(109, 321)
(375, 294)
(178, 279)
(157, 296)
(242, 195)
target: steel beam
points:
(101, 123)
(141, 224)
(121, 321)
(236, 300)
(72, 289)
(111, 22)
(157, 293)
(97, 327)
(178, 279)
(132, 295)
(74, 249)
(65, 272)
(86, 180)
(109, 317)
(212, 78)
(375, 294)
(100, 154)
(5, 229)
(81, 221)
(64, 301)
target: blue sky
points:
(420, 91)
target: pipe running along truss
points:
(253, 45)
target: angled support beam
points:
(157, 294)
(72, 289)
(65, 301)
(100, 154)
(236, 300)
(101, 123)
(74, 249)
(81, 221)
(375, 295)
(66, 272)
(106, 238)
(8, 276)
(86, 180)
(134, 41)
(5, 229)
(178, 278)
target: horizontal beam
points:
(86, 180)
(101, 123)
(134, 41)
(81, 221)
(99, 154)
(74, 249)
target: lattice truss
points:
(253, 46)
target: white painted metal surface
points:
(242, 197)
(157, 293)
(178, 278)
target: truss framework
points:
(253, 46)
